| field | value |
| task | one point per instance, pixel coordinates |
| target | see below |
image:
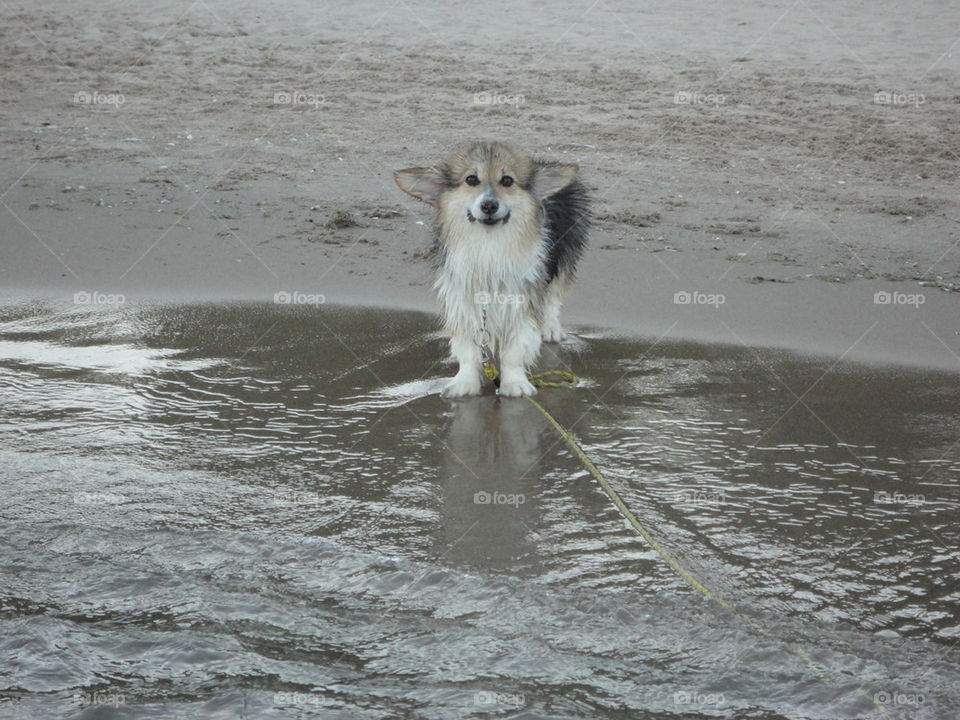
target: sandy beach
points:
(793, 159)
(232, 489)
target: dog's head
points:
(486, 184)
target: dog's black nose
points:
(489, 207)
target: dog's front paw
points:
(516, 388)
(462, 387)
(552, 333)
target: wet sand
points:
(738, 152)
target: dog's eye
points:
(506, 181)
(472, 180)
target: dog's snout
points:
(489, 206)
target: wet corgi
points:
(509, 232)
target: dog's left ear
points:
(553, 177)
(423, 183)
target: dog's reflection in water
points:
(490, 478)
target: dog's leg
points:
(550, 329)
(519, 352)
(463, 347)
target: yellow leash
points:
(569, 380)
(539, 380)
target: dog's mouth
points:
(488, 221)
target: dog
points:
(509, 232)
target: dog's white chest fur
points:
(489, 278)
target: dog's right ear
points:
(423, 183)
(551, 178)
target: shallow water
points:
(266, 511)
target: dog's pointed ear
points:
(552, 177)
(423, 183)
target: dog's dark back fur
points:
(568, 224)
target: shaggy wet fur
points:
(509, 232)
